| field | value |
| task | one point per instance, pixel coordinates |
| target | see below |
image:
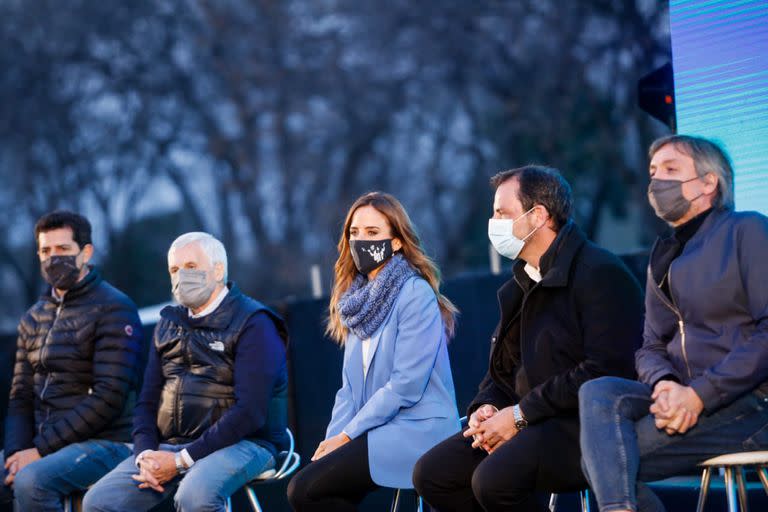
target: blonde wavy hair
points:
(401, 227)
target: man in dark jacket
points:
(75, 377)
(213, 409)
(703, 366)
(571, 312)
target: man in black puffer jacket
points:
(213, 409)
(74, 382)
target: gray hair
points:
(707, 157)
(212, 247)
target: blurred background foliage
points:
(260, 121)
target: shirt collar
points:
(532, 272)
(210, 308)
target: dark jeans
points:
(622, 446)
(542, 458)
(339, 481)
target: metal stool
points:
(583, 498)
(288, 460)
(396, 502)
(733, 465)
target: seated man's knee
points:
(423, 474)
(28, 482)
(191, 496)
(487, 488)
(98, 499)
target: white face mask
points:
(503, 238)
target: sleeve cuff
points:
(707, 393)
(140, 456)
(188, 460)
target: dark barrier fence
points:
(315, 369)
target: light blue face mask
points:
(503, 238)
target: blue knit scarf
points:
(366, 304)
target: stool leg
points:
(584, 495)
(763, 474)
(552, 502)
(395, 501)
(742, 488)
(228, 504)
(705, 477)
(730, 490)
(253, 498)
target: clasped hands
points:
(155, 469)
(490, 428)
(676, 408)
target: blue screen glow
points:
(720, 60)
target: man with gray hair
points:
(213, 408)
(703, 366)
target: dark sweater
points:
(259, 363)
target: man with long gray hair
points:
(213, 408)
(703, 366)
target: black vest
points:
(198, 368)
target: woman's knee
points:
(298, 489)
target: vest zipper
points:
(42, 359)
(680, 322)
(181, 383)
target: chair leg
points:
(743, 505)
(552, 502)
(706, 475)
(763, 474)
(584, 496)
(730, 490)
(395, 501)
(253, 499)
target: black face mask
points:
(370, 254)
(61, 272)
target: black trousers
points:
(339, 481)
(542, 458)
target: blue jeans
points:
(205, 487)
(43, 484)
(621, 446)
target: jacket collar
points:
(668, 244)
(556, 265)
(88, 283)
(557, 261)
(219, 319)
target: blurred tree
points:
(260, 121)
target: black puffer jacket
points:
(76, 371)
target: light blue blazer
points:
(406, 403)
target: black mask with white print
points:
(370, 254)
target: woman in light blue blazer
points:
(396, 399)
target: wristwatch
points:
(180, 467)
(520, 421)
